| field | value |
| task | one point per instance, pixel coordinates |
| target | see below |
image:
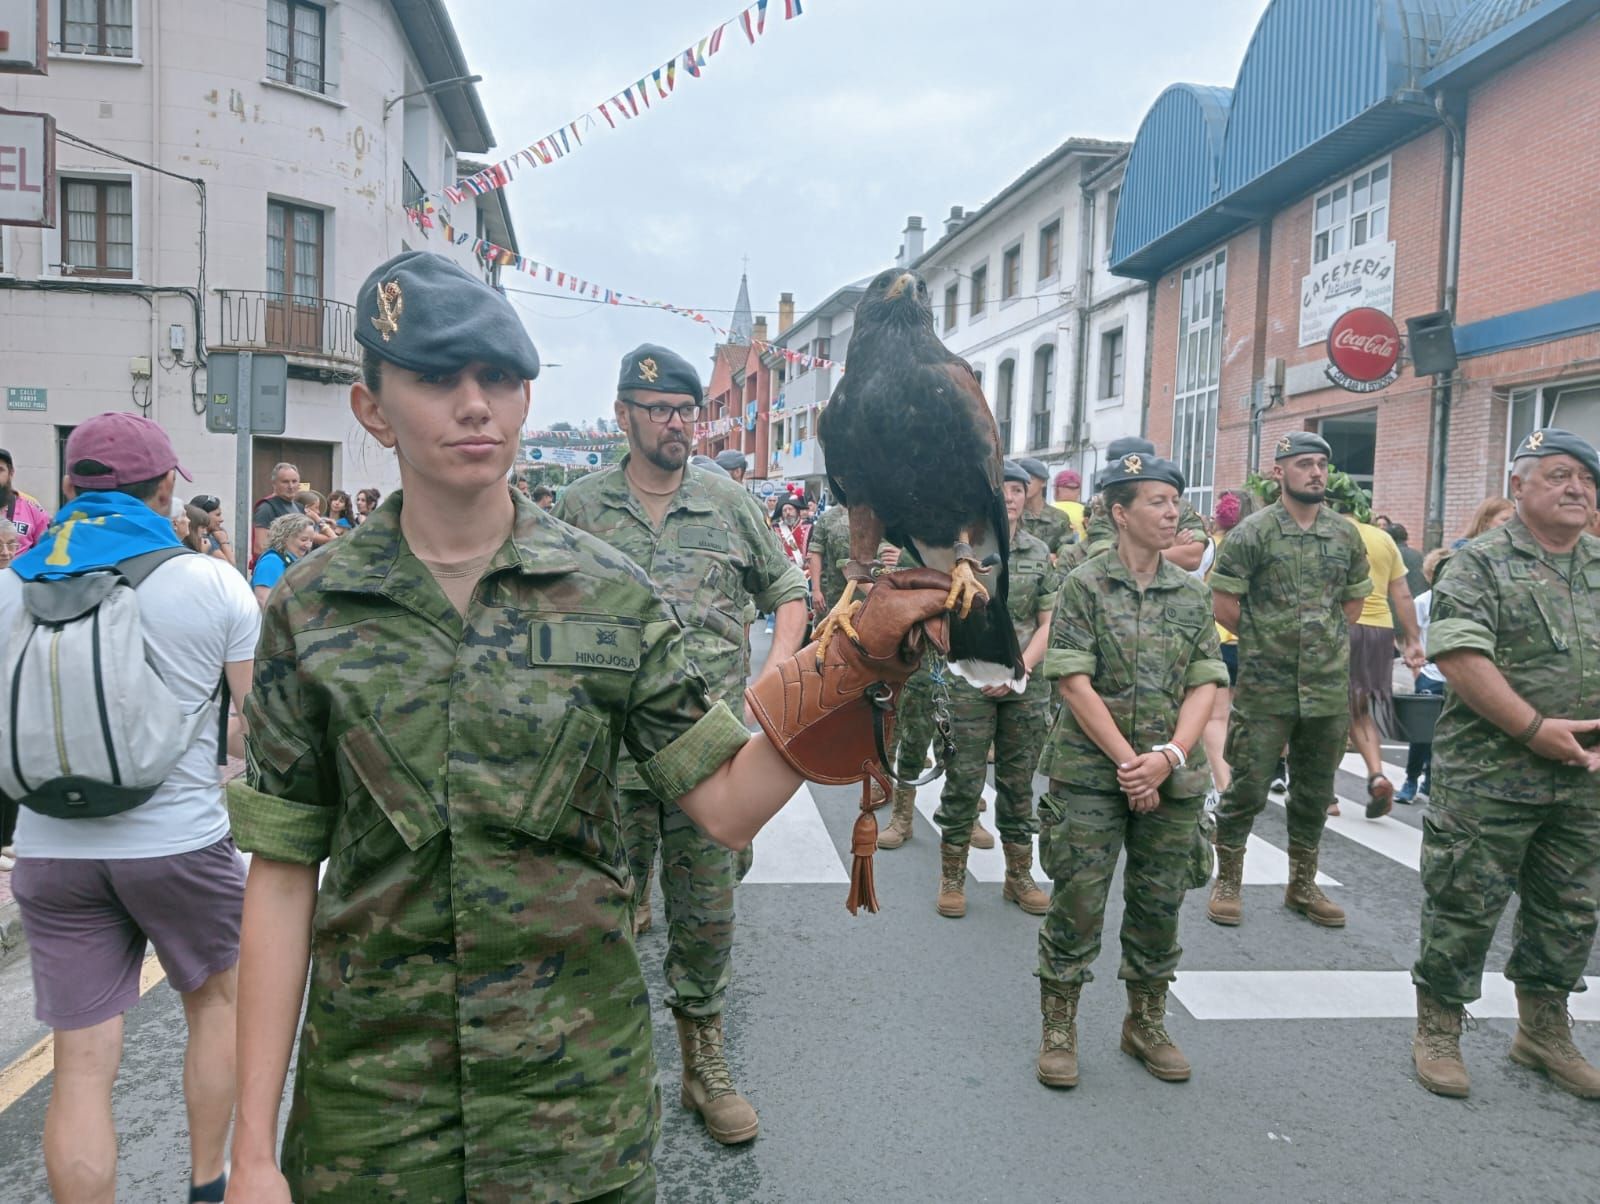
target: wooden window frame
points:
(289, 74)
(1113, 367)
(1011, 273)
(1043, 408)
(102, 214)
(980, 291)
(101, 48)
(952, 305)
(1050, 250)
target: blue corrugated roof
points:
(1479, 21)
(1173, 164)
(1493, 33)
(1323, 83)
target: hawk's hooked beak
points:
(902, 283)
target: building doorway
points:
(314, 460)
(1354, 440)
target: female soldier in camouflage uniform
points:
(1135, 650)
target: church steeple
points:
(742, 327)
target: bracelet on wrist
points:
(1176, 749)
(1528, 733)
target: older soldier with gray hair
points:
(1515, 629)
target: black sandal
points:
(1380, 796)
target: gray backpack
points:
(87, 726)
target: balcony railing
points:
(411, 189)
(309, 330)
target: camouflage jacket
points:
(830, 541)
(1294, 645)
(477, 1025)
(1536, 615)
(1050, 526)
(1143, 650)
(1034, 582)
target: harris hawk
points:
(913, 454)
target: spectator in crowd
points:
(366, 502)
(1069, 498)
(218, 545)
(1495, 512)
(18, 509)
(1411, 558)
(8, 809)
(1383, 523)
(341, 511)
(94, 891)
(285, 485)
(1372, 657)
(10, 543)
(1419, 757)
(288, 539)
(544, 497)
(791, 534)
(312, 504)
(732, 463)
(520, 484)
(199, 523)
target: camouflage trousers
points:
(641, 1191)
(1080, 836)
(698, 877)
(1016, 727)
(1255, 742)
(913, 725)
(1475, 853)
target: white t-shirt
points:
(1424, 605)
(197, 613)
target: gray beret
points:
(1553, 441)
(1129, 445)
(731, 460)
(1137, 467)
(648, 366)
(1015, 472)
(1301, 443)
(707, 463)
(1034, 468)
(427, 313)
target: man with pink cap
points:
(1069, 491)
(94, 889)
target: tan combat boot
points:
(878, 797)
(981, 837)
(1144, 1033)
(1304, 895)
(708, 1083)
(952, 881)
(1020, 888)
(900, 819)
(1058, 1048)
(1226, 906)
(641, 914)
(1544, 1042)
(1436, 1049)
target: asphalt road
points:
(891, 1056)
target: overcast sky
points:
(805, 152)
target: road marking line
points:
(1338, 995)
(795, 846)
(986, 865)
(1399, 842)
(1267, 865)
(19, 1078)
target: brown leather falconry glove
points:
(820, 716)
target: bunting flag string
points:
(618, 108)
(488, 252)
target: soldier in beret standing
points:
(1044, 523)
(438, 702)
(1135, 656)
(1289, 580)
(1100, 534)
(704, 541)
(1515, 805)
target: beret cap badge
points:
(1285, 444)
(1536, 441)
(391, 303)
(1133, 464)
(648, 370)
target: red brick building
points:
(740, 394)
(1416, 156)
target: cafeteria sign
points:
(1362, 278)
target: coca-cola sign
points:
(1363, 350)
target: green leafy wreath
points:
(1343, 494)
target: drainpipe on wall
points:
(1444, 386)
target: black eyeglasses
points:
(661, 414)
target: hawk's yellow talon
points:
(965, 589)
(838, 619)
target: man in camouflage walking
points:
(704, 541)
(1515, 806)
(1289, 579)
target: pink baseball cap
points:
(1068, 477)
(130, 448)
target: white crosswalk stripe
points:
(1338, 995)
(795, 846)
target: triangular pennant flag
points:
(606, 113)
(690, 63)
(791, 9)
(672, 74)
(716, 39)
(644, 93)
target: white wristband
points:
(1182, 759)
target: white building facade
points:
(1022, 290)
(800, 390)
(228, 172)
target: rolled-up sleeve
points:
(284, 808)
(677, 737)
(1358, 581)
(1236, 563)
(1206, 667)
(1072, 639)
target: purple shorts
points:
(87, 923)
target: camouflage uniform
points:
(1014, 725)
(1294, 664)
(830, 540)
(713, 553)
(1050, 526)
(1100, 534)
(1500, 818)
(477, 1025)
(1143, 651)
